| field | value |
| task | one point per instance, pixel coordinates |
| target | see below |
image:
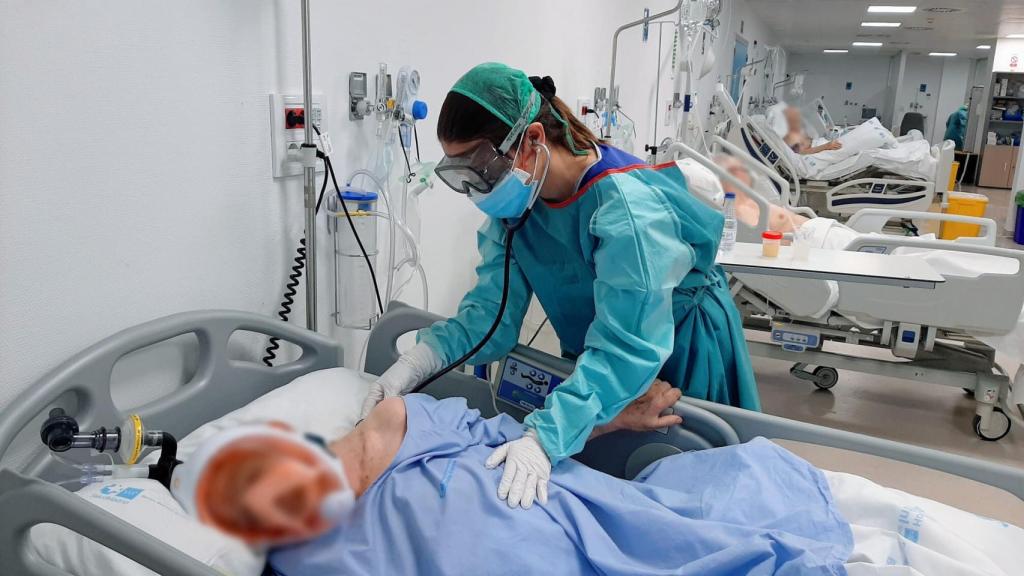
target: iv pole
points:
(309, 173)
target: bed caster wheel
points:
(998, 427)
(825, 377)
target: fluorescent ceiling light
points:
(892, 9)
(867, 43)
(942, 53)
(1015, 35)
(881, 24)
(833, 51)
(983, 47)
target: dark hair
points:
(462, 120)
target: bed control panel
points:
(525, 382)
(795, 338)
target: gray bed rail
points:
(218, 386)
(742, 424)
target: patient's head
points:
(737, 169)
(264, 484)
(794, 119)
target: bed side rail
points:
(749, 425)
(718, 423)
(87, 375)
(849, 197)
(27, 502)
(874, 220)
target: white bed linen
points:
(899, 534)
(909, 158)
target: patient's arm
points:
(645, 413)
(831, 145)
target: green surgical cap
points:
(506, 92)
(502, 90)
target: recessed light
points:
(983, 47)
(881, 24)
(892, 9)
(942, 53)
(1015, 35)
(867, 44)
(834, 51)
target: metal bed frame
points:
(28, 497)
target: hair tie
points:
(545, 85)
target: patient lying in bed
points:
(426, 505)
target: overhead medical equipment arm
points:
(612, 100)
(723, 174)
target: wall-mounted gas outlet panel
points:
(287, 130)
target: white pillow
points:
(701, 181)
(870, 135)
(326, 403)
(148, 506)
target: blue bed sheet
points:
(750, 509)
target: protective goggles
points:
(478, 170)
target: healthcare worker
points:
(619, 255)
(956, 125)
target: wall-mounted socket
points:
(287, 130)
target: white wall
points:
(135, 176)
(921, 70)
(956, 76)
(826, 76)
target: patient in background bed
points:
(425, 505)
(747, 211)
(797, 137)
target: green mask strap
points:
(568, 133)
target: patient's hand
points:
(833, 145)
(645, 413)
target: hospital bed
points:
(933, 334)
(219, 384)
(846, 193)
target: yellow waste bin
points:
(952, 176)
(964, 204)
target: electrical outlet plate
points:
(285, 141)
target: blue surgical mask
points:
(510, 196)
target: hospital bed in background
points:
(218, 384)
(932, 329)
(845, 193)
(934, 335)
